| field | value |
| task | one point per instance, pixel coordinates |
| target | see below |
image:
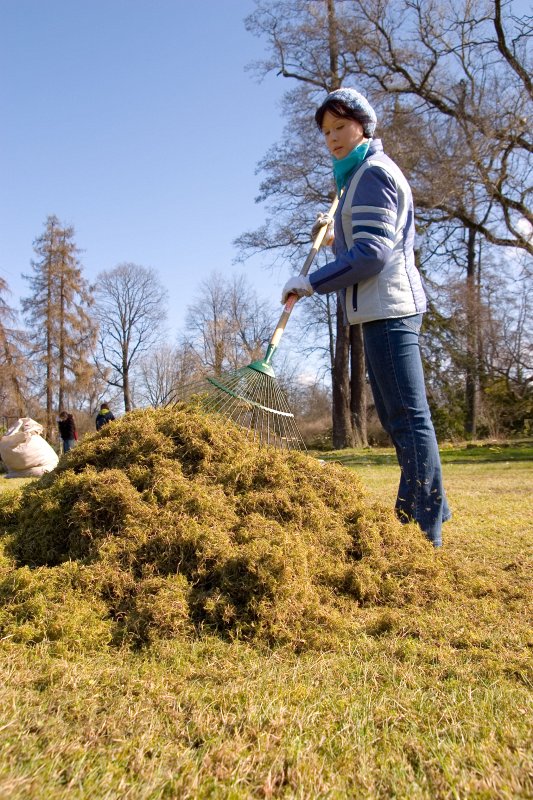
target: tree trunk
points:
(61, 353)
(49, 427)
(481, 368)
(472, 335)
(219, 357)
(126, 388)
(331, 332)
(340, 378)
(342, 421)
(333, 47)
(358, 387)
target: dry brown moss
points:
(177, 523)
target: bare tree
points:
(458, 76)
(460, 72)
(131, 309)
(164, 371)
(451, 82)
(227, 326)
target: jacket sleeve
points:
(374, 216)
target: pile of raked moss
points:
(172, 523)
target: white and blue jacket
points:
(374, 266)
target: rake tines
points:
(253, 400)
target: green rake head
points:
(251, 398)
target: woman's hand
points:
(300, 285)
(321, 220)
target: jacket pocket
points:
(351, 299)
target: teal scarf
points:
(342, 167)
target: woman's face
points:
(341, 135)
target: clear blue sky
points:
(136, 122)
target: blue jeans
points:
(396, 376)
(68, 444)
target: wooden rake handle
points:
(291, 300)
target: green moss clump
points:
(51, 605)
(171, 522)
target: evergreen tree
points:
(57, 313)
(14, 367)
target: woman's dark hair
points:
(339, 109)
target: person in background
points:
(67, 430)
(104, 416)
(374, 272)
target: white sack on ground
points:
(24, 451)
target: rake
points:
(250, 396)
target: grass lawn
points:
(430, 702)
